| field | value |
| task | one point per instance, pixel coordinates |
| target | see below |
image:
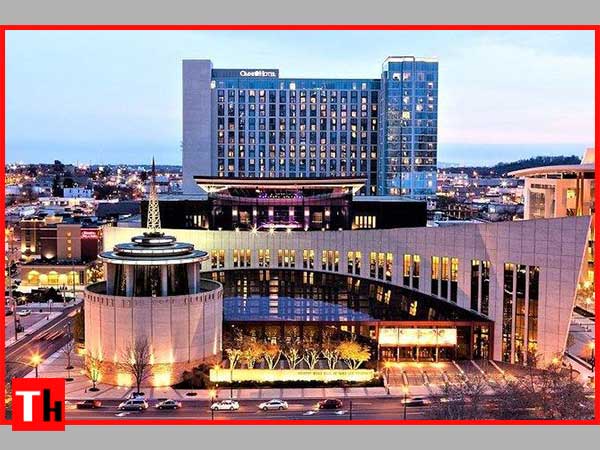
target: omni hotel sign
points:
(417, 337)
(245, 73)
(258, 73)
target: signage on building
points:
(423, 337)
(226, 375)
(89, 234)
(245, 73)
(257, 73)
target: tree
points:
(331, 353)
(272, 355)
(253, 351)
(93, 369)
(353, 353)
(79, 326)
(311, 356)
(463, 401)
(135, 361)
(233, 356)
(68, 350)
(293, 354)
(544, 394)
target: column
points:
(164, 281)
(129, 274)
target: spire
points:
(153, 211)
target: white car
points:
(24, 312)
(136, 404)
(225, 405)
(273, 404)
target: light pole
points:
(9, 233)
(405, 391)
(36, 359)
(592, 346)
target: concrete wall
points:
(555, 245)
(180, 329)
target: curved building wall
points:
(555, 246)
(182, 330)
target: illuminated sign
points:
(257, 73)
(423, 337)
(226, 375)
(89, 234)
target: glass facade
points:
(520, 313)
(382, 129)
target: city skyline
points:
(543, 110)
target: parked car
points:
(135, 395)
(136, 404)
(89, 404)
(8, 312)
(24, 312)
(273, 404)
(416, 401)
(225, 405)
(168, 404)
(330, 403)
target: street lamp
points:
(36, 359)
(592, 346)
(405, 391)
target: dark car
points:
(89, 404)
(416, 401)
(168, 404)
(8, 312)
(330, 403)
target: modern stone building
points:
(521, 276)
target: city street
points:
(44, 341)
(362, 409)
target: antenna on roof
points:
(153, 209)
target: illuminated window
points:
(217, 259)
(435, 274)
(308, 259)
(264, 258)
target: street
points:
(362, 409)
(45, 341)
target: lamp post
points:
(36, 359)
(592, 346)
(405, 391)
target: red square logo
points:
(38, 404)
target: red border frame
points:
(4, 28)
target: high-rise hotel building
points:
(246, 123)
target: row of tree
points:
(551, 394)
(251, 351)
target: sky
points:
(105, 97)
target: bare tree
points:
(233, 356)
(253, 351)
(293, 354)
(311, 356)
(272, 355)
(331, 353)
(135, 361)
(462, 401)
(68, 350)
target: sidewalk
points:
(36, 326)
(54, 367)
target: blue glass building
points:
(251, 123)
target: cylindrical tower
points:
(153, 295)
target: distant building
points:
(78, 192)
